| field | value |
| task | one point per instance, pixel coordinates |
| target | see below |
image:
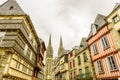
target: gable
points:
(11, 7)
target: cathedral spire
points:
(60, 46)
(49, 60)
(49, 44)
(49, 51)
(61, 43)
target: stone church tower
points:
(60, 49)
(49, 61)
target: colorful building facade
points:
(72, 64)
(104, 54)
(60, 69)
(38, 70)
(113, 20)
(19, 44)
(64, 71)
(84, 66)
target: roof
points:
(76, 47)
(83, 44)
(117, 4)
(64, 52)
(11, 7)
(99, 22)
(114, 9)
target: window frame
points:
(94, 48)
(62, 66)
(85, 57)
(79, 60)
(116, 19)
(104, 42)
(2, 35)
(99, 66)
(86, 71)
(94, 29)
(112, 66)
(73, 63)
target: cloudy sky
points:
(69, 18)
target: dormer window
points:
(116, 19)
(94, 29)
(81, 45)
(11, 7)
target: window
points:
(116, 19)
(62, 66)
(17, 65)
(94, 30)
(73, 63)
(86, 69)
(2, 34)
(100, 70)
(74, 75)
(24, 69)
(71, 54)
(79, 60)
(119, 32)
(28, 54)
(70, 64)
(80, 72)
(71, 75)
(112, 64)
(33, 57)
(30, 36)
(25, 49)
(104, 42)
(64, 76)
(94, 48)
(85, 57)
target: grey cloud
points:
(70, 18)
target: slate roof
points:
(64, 52)
(83, 44)
(11, 7)
(99, 22)
(117, 4)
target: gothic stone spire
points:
(60, 46)
(49, 51)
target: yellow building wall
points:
(84, 64)
(18, 72)
(65, 70)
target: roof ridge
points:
(4, 3)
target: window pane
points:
(85, 57)
(86, 69)
(2, 34)
(112, 64)
(80, 71)
(100, 70)
(104, 42)
(79, 61)
(94, 48)
(116, 19)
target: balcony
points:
(85, 76)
